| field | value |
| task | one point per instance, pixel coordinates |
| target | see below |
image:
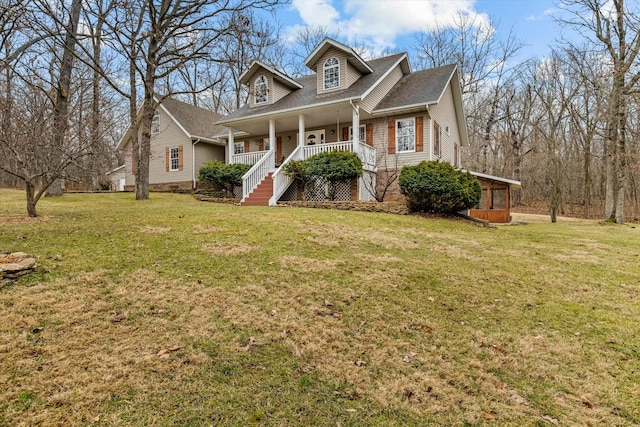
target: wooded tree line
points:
(73, 75)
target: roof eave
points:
(511, 182)
(224, 122)
(313, 57)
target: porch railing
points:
(366, 153)
(281, 181)
(258, 171)
(250, 158)
(368, 156)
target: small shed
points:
(495, 202)
(117, 178)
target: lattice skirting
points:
(320, 190)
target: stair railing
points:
(257, 173)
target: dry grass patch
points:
(407, 321)
(148, 229)
(228, 249)
(25, 219)
(75, 346)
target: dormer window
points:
(261, 89)
(331, 73)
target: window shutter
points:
(246, 146)
(345, 134)
(368, 134)
(419, 134)
(180, 163)
(167, 158)
(391, 131)
(261, 145)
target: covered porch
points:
(269, 143)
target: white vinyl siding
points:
(376, 95)
(170, 136)
(206, 152)
(444, 113)
(396, 161)
(279, 91)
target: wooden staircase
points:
(261, 194)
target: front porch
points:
(265, 164)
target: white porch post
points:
(355, 126)
(300, 130)
(230, 149)
(272, 134)
(272, 141)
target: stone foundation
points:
(398, 208)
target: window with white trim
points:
(155, 122)
(261, 90)
(405, 135)
(265, 144)
(331, 73)
(174, 159)
(362, 133)
(238, 147)
(437, 138)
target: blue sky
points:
(393, 24)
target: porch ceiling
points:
(314, 118)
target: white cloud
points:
(316, 12)
(379, 22)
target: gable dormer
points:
(266, 84)
(337, 66)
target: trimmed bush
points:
(222, 176)
(438, 187)
(332, 166)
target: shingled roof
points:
(418, 88)
(196, 121)
(308, 96)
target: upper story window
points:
(238, 148)
(261, 89)
(155, 122)
(331, 73)
(406, 135)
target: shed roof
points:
(511, 182)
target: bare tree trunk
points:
(31, 200)
(611, 179)
(61, 107)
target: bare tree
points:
(158, 38)
(615, 28)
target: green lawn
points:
(178, 312)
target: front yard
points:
(177, 312)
